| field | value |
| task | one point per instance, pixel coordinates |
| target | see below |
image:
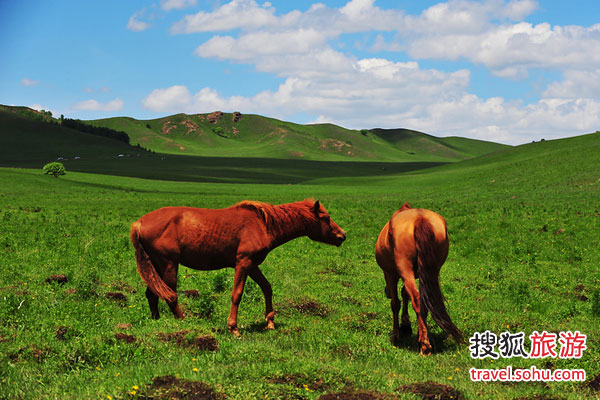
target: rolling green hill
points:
(254, 149)
(220, 134)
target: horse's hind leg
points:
(170, 277)
(391, 283)
(258, 277)
(405, 328)
(153, 303)
(423, 339)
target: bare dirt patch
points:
(60, 279)
(61, 332)
(432, 391)
(167, 127)
(336, 146)
(169, 387)
(594, 384)
(122, 286)
(192, 293)
(192, 127)
(189, 340)
(306, 307)
(123, 326)
(30, 352)
(4, 339)
(125, 337)
(117, 296)
(363, 395)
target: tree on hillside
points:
(55, 169)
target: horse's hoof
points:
(270, 326)
(235, 332)
(405, 330)
(425, 349)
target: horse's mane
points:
(282, 217)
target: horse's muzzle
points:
(340, 239)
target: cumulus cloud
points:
(576, 83)
(244, 14)
(135, 24)
(95, 105)
(510, 50)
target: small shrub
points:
(219, 131)
(55, 169)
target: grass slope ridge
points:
(225, 135)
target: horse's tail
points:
(428, 271)
(147, 270)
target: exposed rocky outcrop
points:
(214, 117)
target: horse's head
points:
(325, 229)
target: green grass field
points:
(523, 226)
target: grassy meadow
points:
(523, 226)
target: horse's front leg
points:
(258, 277)
(241, 272)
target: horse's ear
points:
(405, 206)
(317, 207)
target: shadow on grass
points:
(259, 327)
(229, 169)
(439, 341)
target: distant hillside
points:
(29, 139)
(236, 135)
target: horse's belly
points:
(206, 260)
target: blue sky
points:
(508, 71)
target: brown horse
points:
(239, 237)
(414, 244)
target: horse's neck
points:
(290, 223)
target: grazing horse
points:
(414, 244)
(239, 237)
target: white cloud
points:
(576, 84)
(244, 14)
(169, 5)
(94, 105)
(509, 49)
(255, 45)
(518, 9)
(29, 82)
(135, 24)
